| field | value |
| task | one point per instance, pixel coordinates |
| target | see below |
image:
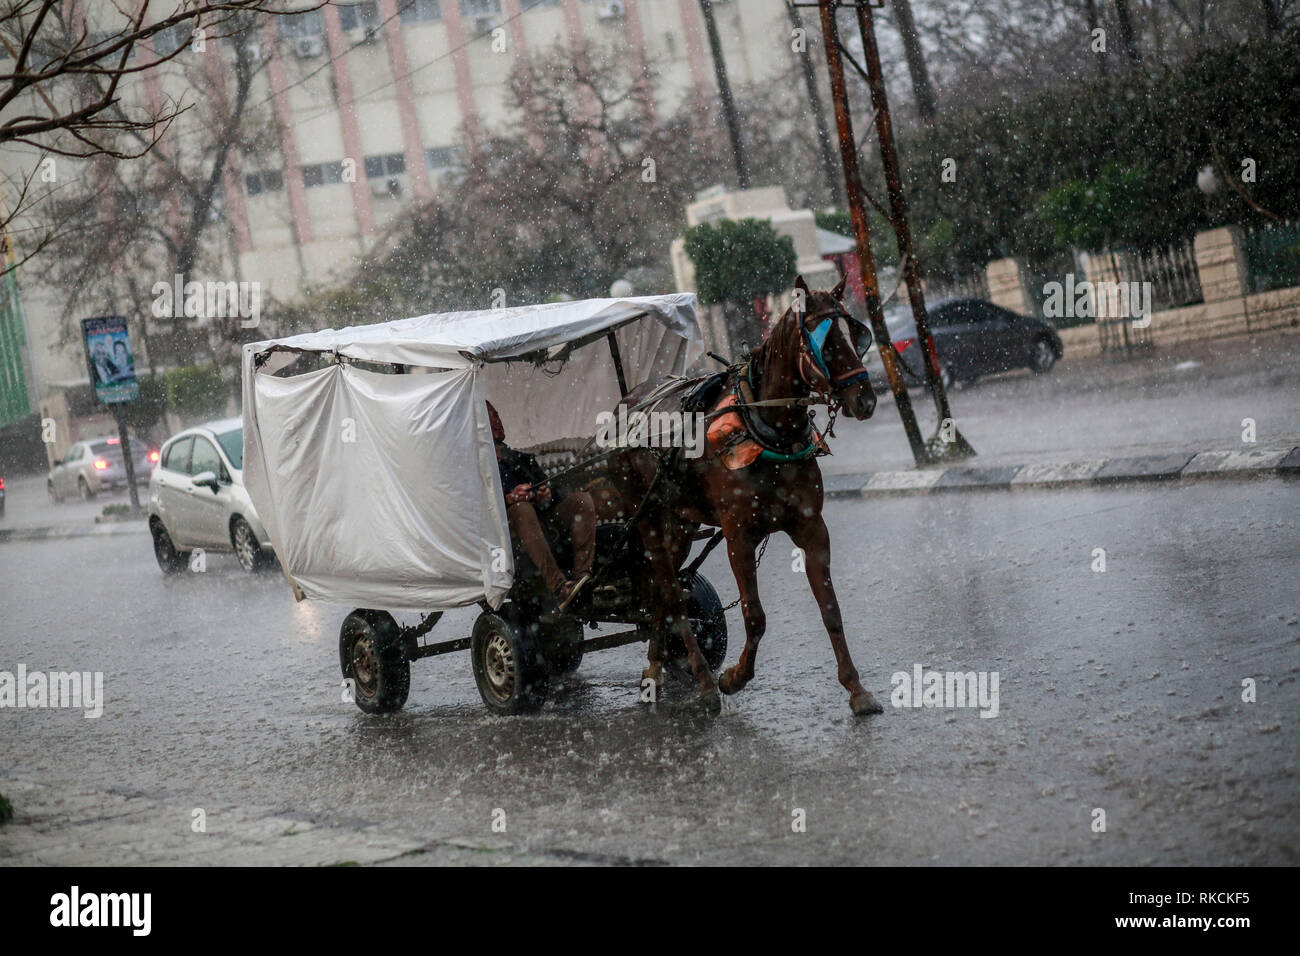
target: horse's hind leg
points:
(671, 612)
(656, 655)
(740, 549)
(815, 541)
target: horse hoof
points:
(711, 701)
(727, 684)
(654, 672)
(863, 704)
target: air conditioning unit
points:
(254, 52)
(611, 10)
(307, 47)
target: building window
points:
(529, 4)
(322, 174)
(443, 157)
(393, 164)
(479, 8)
(166, 42)
(298, 25)
(267, 181)
(364, 14)
(420, 11)
(96, 38)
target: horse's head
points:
(832, 345)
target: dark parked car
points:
(973, 337)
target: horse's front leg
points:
(740, 549)
(815, 541)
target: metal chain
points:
(761, 550)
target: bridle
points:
(812, 367)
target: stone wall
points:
(1229, 308)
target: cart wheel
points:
(509, 667)
(708, 621)
(373, 657)
(563, 647)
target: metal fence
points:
(1272, 255)
(1055, 269)
(1172, 272)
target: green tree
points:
(1095, 214)
(740, 261)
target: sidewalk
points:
(1097, 420)
(1188, 465)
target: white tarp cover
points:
(381, 490)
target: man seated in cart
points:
(532, 511)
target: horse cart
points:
(369, 456)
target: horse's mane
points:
(780, 344)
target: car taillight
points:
(153, 456)
(901, 345)
(2, 484)
(100, 464)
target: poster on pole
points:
(111, 361)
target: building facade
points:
(371, 103)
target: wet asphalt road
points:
(1118, 690)
(1192, 395)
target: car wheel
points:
(84, 489)
(946, 375)
(250, 554)
(170, 559)
(1042, 356)
(54, 495)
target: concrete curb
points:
(87, 531)
(1180, 466)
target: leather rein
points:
(812, 371)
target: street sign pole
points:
(119, 412)
(110, 363)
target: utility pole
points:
(949, 443)
(724, 91)
(858, 213)
(819, 116)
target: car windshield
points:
(232, 443)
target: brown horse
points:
(810, 356)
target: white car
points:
(197, 499)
